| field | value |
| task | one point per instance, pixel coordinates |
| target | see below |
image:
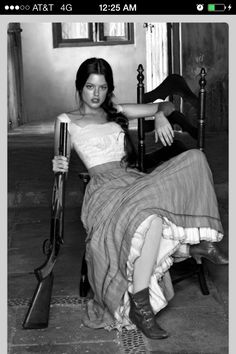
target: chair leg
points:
(84, 283)
(189, 268)
(202, 280)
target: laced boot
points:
(142, 316)
(208, 250)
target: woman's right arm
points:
(60, 163)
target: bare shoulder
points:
(63, 117)
(69, 117)
(74, 114)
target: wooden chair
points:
(173, 85)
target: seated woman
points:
(137, 224)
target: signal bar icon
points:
(216, 7)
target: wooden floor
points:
(197, 323)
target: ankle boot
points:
(209, 251)
(142, 316)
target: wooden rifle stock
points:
(38, 313)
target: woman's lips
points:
(95, 100)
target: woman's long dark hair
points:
(101, 67)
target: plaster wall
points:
(49, 73)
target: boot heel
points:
(198, 259)
(208, 250)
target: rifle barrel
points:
(63, 139)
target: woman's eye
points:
(104, 88)
(89, 87)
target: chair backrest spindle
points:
(141, 133)
(202, 109)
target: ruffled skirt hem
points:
(174, 247)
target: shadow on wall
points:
(206, 45)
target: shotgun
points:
(38, 313)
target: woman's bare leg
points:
(141, 313)
(143, 266)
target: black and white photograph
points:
(118, 187)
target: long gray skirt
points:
(118, 200)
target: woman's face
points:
(94, 91)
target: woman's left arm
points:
(160, 111)
(133, 111)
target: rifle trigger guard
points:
(46, 247)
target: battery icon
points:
(216, 7)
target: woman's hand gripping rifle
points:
(38, 312)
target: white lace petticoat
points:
(174, 247)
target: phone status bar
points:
(96, 7)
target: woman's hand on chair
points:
(60, 164)
(163, 129)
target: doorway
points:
(163, 53)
